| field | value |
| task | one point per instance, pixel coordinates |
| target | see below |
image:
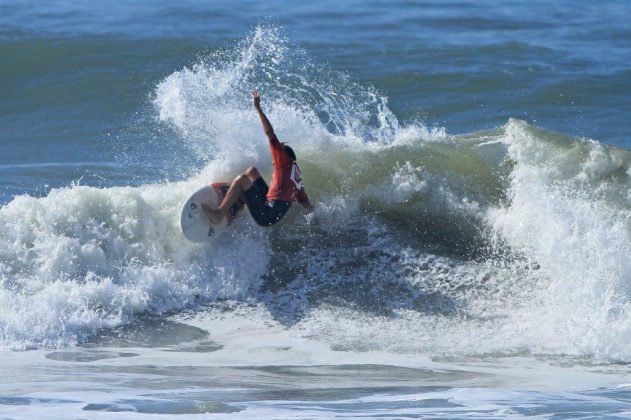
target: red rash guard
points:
(286, 179)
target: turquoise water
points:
(471, 170)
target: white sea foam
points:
(84, 258)
(578, 236)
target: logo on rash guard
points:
(296, 176)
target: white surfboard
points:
(195, 225)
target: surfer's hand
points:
(311, 217)
(257, 98)
(308, 207)
(312, 220)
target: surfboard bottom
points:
(195, 225)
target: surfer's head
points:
(289, 151)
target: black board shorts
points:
(264, 213)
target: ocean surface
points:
(471, 167)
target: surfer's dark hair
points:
(289, 151)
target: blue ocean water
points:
(76, 76)
(471, 167)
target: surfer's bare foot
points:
(215, 215)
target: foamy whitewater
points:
(484, 274)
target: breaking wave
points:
(508, 241)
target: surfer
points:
(267, 205)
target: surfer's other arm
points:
(267, 126)
(303, 199)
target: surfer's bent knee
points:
(239, 180)
(252, 173)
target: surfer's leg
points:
(252, 173)
(241, 183)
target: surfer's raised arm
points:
(267, 126)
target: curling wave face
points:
(508, 241)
